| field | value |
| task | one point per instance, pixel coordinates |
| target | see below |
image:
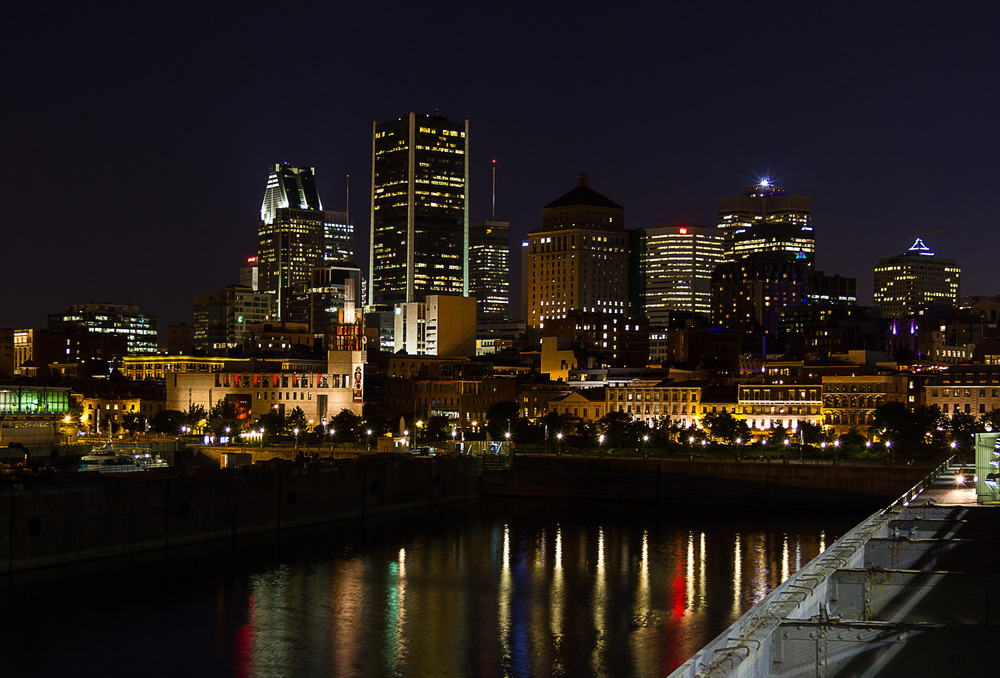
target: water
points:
(493, 588)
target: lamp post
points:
(600, 443)
(454, 433)
(645, 452)
(368, 434)
(559, 444)
(295, 431)
(227, 436)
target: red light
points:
(682, 230)
(251, 260)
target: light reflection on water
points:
(491, 589)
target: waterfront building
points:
(321, 389)
(579, 259)
(32, 415)
(908, 284)
(489, 269)
(767, 406)
(588, 404)
(222, 319)
(677, 261)
(766, 219)
(100, 318)
(463, 400)
(419, 213)
(850, 401)
(969, 389)
(649, 400)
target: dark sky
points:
(136, 139)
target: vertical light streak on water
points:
(272, 641)
(761, 584)
(737, 577)
(556, 596)
(784, 557)
(702, 584)
(346, 612)
(822, 541)
(642, 640)
(798, 554)
(689, 579)
(600, 611)
(503, 616)
(396, 614)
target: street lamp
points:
(227, 435)
(559, 444)
(600, 442)
(645, 439)
(368, 433)
(296, 432)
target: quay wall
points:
(82, 516)
(698, 481)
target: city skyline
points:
(134, 165)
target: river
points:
(490, 588)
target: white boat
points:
(106, 459)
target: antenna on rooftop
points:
(493, 210)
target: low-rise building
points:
(850, 401)
(970, 389)
(766, 406)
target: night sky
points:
(136, 139)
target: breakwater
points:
(731, 482)
(82, 516)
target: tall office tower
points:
(250, 274)
(677, 261)
(292, 236)
(122, 320)
(907, 284)
(332, 297)
(489, 268)
(222, 319)
(578, 259)
(338, 237)
(419, 214)
(765, 219)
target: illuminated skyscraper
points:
(677, 263)
(765, 219)
(578, 260)
(489, 268)
(295, 234)
(907, 284)
(419, 214)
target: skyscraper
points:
(677, 263)
(295, 234)
(765, 219)
(905, 285)
(419, 212)
(489, 268)
(578, 259)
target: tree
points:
(168, 421)
(724, 426)
(347, 425)
(500, 417)
(963, 427)
(618, 429)
(133, 422)
(991, 420)
(297, 419)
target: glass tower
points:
(766, 219)
(489, 268)
(419, 212)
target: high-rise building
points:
(578, 259)
(442, 325)
(222, 319)
(121, 320)
(766, 219)
(489, 268)
(419, 211)
(295, 234)
(907, 284)
(677, 261)
(332, 297)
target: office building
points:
(222, 319)
(419, 210)
(766, 219)
(677, 261)
(295, 234)
(908, 284)
(116, 320)
(442, 325)
(332, 296)
(489, 268)
(578, 260)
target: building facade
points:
(579, 259)
(908, 284)
(677, 261)
(969, 389)
(114, 320)
(489, 268)
(222, 319)
(443, 325)
(766, 219)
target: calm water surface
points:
(493, 588)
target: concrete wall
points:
(682, 482)
(75, 518)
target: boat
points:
(106, 459)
